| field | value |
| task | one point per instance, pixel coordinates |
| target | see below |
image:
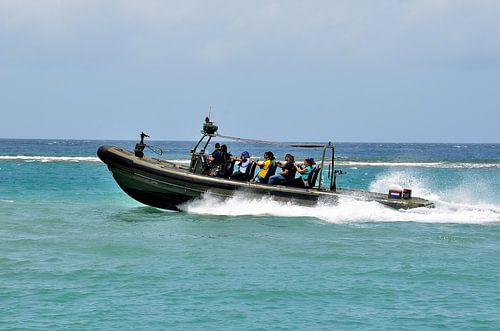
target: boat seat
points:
(250, 171)
(199, 164)
(270, 172)
(229, 169)
(313, 176)
(204, 161)
(311, 180)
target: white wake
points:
(461, 205)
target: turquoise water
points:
(77, 253)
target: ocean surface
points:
(78, 253)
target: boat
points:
(163, 184)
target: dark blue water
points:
(77, 253)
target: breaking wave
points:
(441, 165)
(27, 158)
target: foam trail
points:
(346, 211)
(240, 205)
(179, 161)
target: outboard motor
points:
(139, 148)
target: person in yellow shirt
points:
(265, 166)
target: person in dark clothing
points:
(215, 157)
(220, 161)
(213, 161)
(287, 174)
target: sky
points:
(345, 71)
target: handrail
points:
(213, 133)
(267, 142)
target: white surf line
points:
(27, 158)
(437, 165)
(440, 165)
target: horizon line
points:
(182, 140)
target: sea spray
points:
(406, 179)
(346, 210)
(471, 191)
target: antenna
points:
(210, 112)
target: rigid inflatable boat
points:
(163, 184)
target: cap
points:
(245, 153)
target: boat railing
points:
(332, 175)
(199, 158)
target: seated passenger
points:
(304, 172)
(244, 162)
(265, 166)
(211, 161)
(219, 161)
(215, 157)
(227, 163)
(287, 174)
